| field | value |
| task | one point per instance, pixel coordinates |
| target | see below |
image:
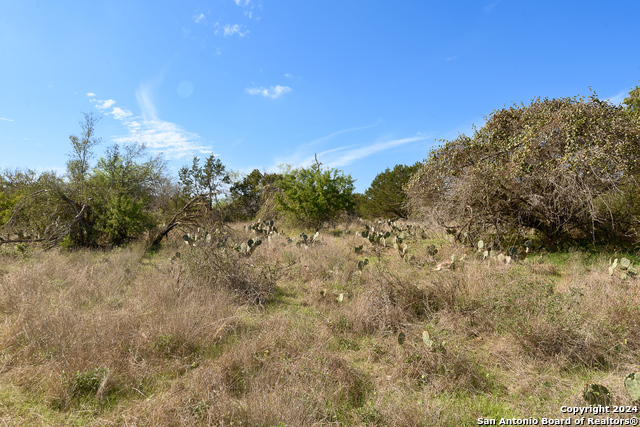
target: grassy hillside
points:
(299, 335)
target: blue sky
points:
(365, 84)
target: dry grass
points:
(123, 338)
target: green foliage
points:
(311, 196)
(209, 179)
(123, 219)
(249, 194)
(385, 197)
(632, 102)
(110, 203)
(549, 166)
(87, 383)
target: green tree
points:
(122, 188)
(311, 196)
(209, 179)
(564, 167)
(632, 102)
(109, 203)
(385, 197)
(249, 194)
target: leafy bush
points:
(312, 196)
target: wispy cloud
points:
(349, 156)
(162, 136)
(5, 119)
(91, 94)
(143, 96)
(490, 7)
(451, 58)
(345, 155)
(273, 92)
(303, 155)
(336, 133)
(617, 99)
(158, 135)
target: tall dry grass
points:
(124, 338)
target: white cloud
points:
(6, 120)
(161, 136)
(230, 30)
(91, 94)
(617, 99)
(120, 114)
(105, 104)
(273, 92)
(198, 18)
(242, 2)
(158, 135)
(451, 58)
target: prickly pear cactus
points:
(612, 266)
(480, 245)
(624, 264)
(596, 394)
(528, 244)
(632, 384)
(427, 340)
(401, 338)
(432, 250)
(362, 264)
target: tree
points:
(81, 154)
(249, 194)
(122, 190)
(312, 196)
(101, 205)
(385, 197)
(564, 167)
(632, 102)
(209, 179)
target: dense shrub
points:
(553, 166)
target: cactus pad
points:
(632, 384)
(401, 338)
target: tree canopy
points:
(312, 196)
(564, 167)
(385, 198)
